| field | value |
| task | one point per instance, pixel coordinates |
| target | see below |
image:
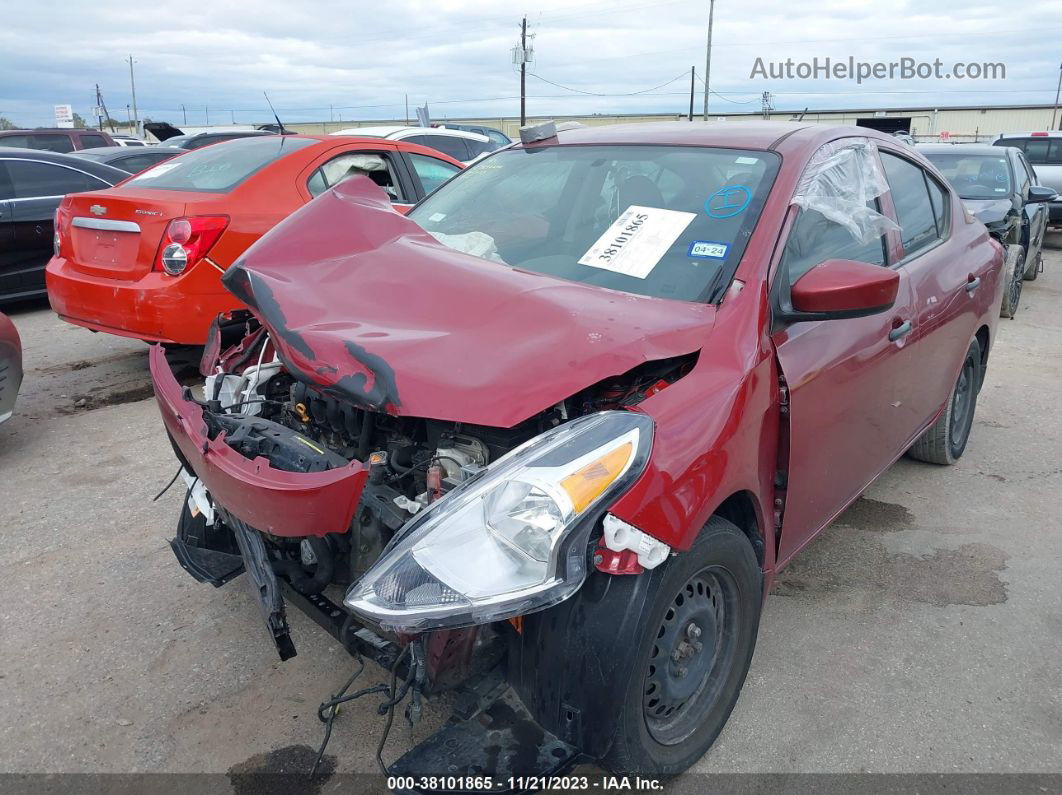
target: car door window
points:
(432, 171)
(1035, 148)
(51, 143)
(7, 191)
(909, 186)
(938, 198)
(377, 167)
(447, 144)
(497, 137)
(89, 141)
(30, 179)
(814, 239)
(1028, 171)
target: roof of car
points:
(128, 151)
(81, 163)
(1038, 134)
(384, 131)
(64, 130)
(962, 149)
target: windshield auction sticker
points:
(637, 240)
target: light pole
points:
(1057, 90)
(708, 58)
(132, 86)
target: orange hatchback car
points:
(144, 259)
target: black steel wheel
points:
(946, 439)
(689, 660)
(693, 647)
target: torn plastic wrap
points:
(841, 181)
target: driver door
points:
(847, 383)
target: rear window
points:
(219, 168)
(1041, 150)
(664, 221)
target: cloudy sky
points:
(216, 58)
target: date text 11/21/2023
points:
(603, 783)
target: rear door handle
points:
(973, 284)
(900, 331)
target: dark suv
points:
(55, 139)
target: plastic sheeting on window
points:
(841, 181)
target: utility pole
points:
(331, 112)
(132, 86)
(206, 110)
(765, 100)
(523, 72)
(407, 110)
(184, 115)
(232, 115)
(693, 77)
(708, 58)
(99, 107)
(1057, 90)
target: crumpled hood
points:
(988, 211)
(362, 301)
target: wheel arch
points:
(741, 509)
(982, 339)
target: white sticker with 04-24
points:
(637, 240)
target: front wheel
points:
(1015, 275)
(695, 650)
(946, 439)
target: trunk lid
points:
(116, 233)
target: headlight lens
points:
(513, 540)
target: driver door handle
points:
(900, 331)
(973, 283)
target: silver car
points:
(1044, 152)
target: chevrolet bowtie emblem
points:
(98, 209)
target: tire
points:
(1032, 269)
(667, 721)
(1014, 270)
(946, 439)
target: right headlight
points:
(514, 539)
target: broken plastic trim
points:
(840, 181)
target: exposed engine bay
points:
(264, 411)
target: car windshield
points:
(221, 167)
(663, 221)
(974, 176)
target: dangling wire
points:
(389, 705)
(327, 712)
(167, 487)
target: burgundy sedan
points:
(10, 366)
(556, 432)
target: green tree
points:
(79, 122)
(7, 124)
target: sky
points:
(600, 56)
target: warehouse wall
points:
(961, 124)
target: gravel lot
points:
(921, 632)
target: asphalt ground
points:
(921, 632)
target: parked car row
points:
(1000, 188)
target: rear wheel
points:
(1015, 274)
(946, 439)
(694, 653)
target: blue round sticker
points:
(728, 201)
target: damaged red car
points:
(547, 440)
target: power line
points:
(600, 94)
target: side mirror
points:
(842, 288)
(1039, 193)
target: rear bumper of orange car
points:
(156, 307)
